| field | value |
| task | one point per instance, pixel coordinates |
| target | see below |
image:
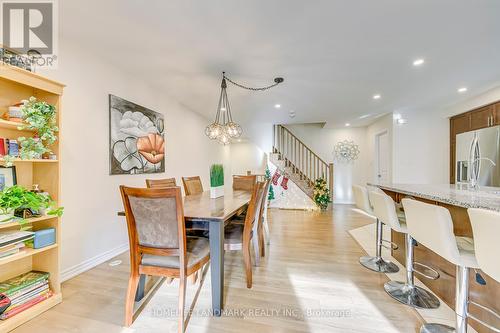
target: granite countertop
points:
(457, 195)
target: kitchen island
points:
(456, 198)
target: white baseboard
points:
(92, 262)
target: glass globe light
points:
(224, 138)
(233, 129)
(213, 130)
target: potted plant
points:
(15, 200)
(321, 194)
(216, 181)
(39, 117)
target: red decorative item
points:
(275, 178)
(284, 183)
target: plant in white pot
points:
(216, 181)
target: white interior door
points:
(382, 157)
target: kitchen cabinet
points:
(460, 124)
(496, 115)
(481, 118)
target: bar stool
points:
(422, 217)
(485, 230)
(376, 263)
(405, 292)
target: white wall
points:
(381, 125)
(246, 156)
(322, 142)
(421, 148)
(90, 227)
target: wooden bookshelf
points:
(15, 224)
(15, 85)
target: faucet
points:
(474, 176)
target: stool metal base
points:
(378, 265)
(436, 328)
(411, 295)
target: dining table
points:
(212, 215)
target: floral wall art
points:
(137, 138)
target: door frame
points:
(376, 138)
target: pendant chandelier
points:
(223, 129)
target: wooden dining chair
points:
(161, 183)
(244, 183)
(190, 231)
(158, 242)
(192, 185)
(263, 228)
(239, 236)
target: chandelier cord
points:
(277, 81)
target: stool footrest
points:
(430, 277)
(393, 246)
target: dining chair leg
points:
(247, 260)
(256, 247)
(133, 283)
(262, 246)
(193, 278)
(266, 228)
(182, 300)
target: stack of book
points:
(9, 147)
(25, 291)
(11, 242)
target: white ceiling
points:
(334, 55)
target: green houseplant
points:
(39, 117)
(216, 181)
(321, 194)
(18, 198)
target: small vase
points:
(216, 192)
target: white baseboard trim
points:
(92, 262)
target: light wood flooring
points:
(312, 264)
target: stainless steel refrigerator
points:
(478, 157)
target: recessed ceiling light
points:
(364, 116)
(347, 124)
(418, 62)
(277, 106)
(376, 96)
(462, 90)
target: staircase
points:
(298, 161)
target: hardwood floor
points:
(312, 264)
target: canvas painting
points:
(137, 138)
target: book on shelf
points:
(13, 285)
(11, 249)
(13, 148)
(9, 313)
(24, 291)
(27, 289)
(14, 237)
(29, 296)
(3, 147)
